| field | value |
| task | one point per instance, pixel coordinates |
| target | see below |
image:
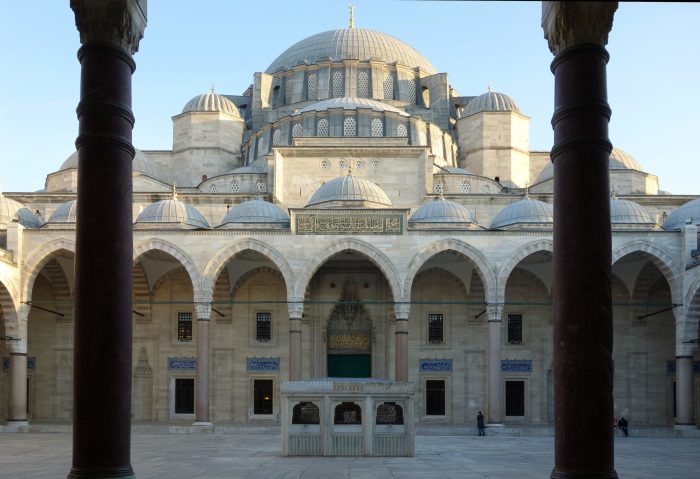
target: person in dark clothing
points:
(480, 424)
(622, 425)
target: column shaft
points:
(495, 414)
(103, 264)
(17, 407)
(684, 391)
(202, 378)
(583, 343)
(296, 311)
(401, 312)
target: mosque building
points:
(350, 214)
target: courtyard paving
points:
(257, 455)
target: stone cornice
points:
(119, 23)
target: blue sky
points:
(653, 74)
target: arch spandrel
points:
(223, 256)
(484, 269)
(519, 255)
(9, 309)
(375, 255)
(183, 258)
(38, 258)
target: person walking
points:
(480, 424)
(622, 425)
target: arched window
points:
(438, 187)
(276, 137)
(389, 86)
(465, 188)
(349, 127)
(262, 145)
(212, 188)
(261, 186)
(426, 97)
(305, 413)
(276, 96)
(338, 86)
(411, 91)
(347, 413)
(234, 186)
(377, 127)
(389, 413)
(363, 84)
(401, 130)
(297, 130)
(289, 92)
(312, 87)
(322, 127)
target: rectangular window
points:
(184, 396)
(262, 396)
(435, 328)
(515, 398)
(435, 398)
(515, 328)
(263, 327)
(184, 327)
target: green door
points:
(349, 366)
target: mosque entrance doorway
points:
(349, 336)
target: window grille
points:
(234, 186)
(277, 137)
(375, 164)
(347, 413)
(322, 127)
(305, 413)
(435, 328)
(435, 398)
(411, 91)
(515, 398)
(262, 396)
(297, 130)
(359, 164)
(486, 189)
(389, 86)
(389, 413)
(263, 327)
(363, 84)
(184, 396)
(212, 188)
(312, 87)
(515, 328)
(438, 187)
(338, 86)
(464, 187)
(325, 164)
(377, 127)
(184, 327)
(401, 130)
(343, 165)
(289, 92)
(349, 127)
(261, 186)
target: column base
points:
(102, 473)
(584, 475)
(16, 426)
(203, 423)
(684, 427)
(201, 427)
(495, 424)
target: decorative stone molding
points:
(567, 24)
(495, 312)
(203, 311)
(402, 310)
(295, 309)
(119, 23)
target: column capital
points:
(119, 23)
(567, 24)
(402, 310)
(203, 311)
(495, 312)
(295, 309)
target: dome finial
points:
(349, 170)
(174, 190)
(613, 193)
(527, 191)
(212, 87)
(351, 8)
(489, 87)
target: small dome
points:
(350, 188)
(619, 160)
(211, 102)
(350, 44)
(11, 209)
(256, 211)
(141, 164)
(348, 103)
(441, 211)
(677, 218)
(527, 211)
(65, 213)
(628, 212)
(28, 219)
(173, 211)
(490, 101)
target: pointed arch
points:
(375, 255)
(223, 256)
(38, 258)
(9, 308)
(175, 252)
(483, 268)
(688, 327)
(519, 255)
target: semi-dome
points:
(526, 212)
(65, 213)
(172, 211)
(11, 209)
(628, 212)
(350, 44)
(256, 211)
(441, 211)
(347, 103)
(141, 164)
(490, 101)
(689, 211)
(211, 102)
(350, 189)
(619, 160)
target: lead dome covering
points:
(350, 189)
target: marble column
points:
(401, 312)
(201, 399)
(110, 31)
(685, 418)
(582, 302)
(296, 312)
(17, 405)
(495, 409)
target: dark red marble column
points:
(103, 265)
(583, 333)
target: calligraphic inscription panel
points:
(344, 341)
(435, 365)
(349, 224)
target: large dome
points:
(677, 218)
(350, 44)
(442, 211)
(619, 160)
(256, 211)
(526, 211)
(350, 189)
(490, 101)
(141, 164)
(347, 103)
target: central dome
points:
(350, 44)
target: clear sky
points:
(653, 74)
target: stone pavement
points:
(257, 455)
